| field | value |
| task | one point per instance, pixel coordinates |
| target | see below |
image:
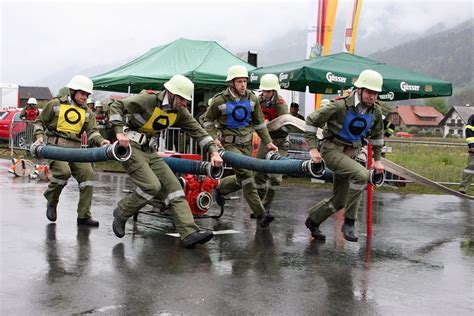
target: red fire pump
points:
(198, 190)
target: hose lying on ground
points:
(291, 167)
(104, 153)
(194, 167)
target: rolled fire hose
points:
(194, 167)
(322, 172)
(289, 167)
(284, 120)
(23, 168)
(104, 153)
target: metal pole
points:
(190, 139)
(369, 193)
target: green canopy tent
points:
(332, 73)
(204, 62)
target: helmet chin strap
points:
(359, 92)
(72, 95)
(269, 102)
(171, 100)
(232, 87)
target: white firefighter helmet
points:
(32, 101)
(180, 85)
(269, 82)
(82, 83)
(324, 102)
(97, 104)
(237, 71)
(370, 79)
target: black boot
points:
(87, 222)
(348, 230)
(314, 229)
(51, 211)
(118, 226)
(220, 199)
(265, 220)
(198, 237)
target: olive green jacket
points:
(135, 111)
(331, 119)
(47, 121)
(216, 115)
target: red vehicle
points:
(18, 129)
(403, 134)
(6, 118)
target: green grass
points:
(437, 162)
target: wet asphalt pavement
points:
(420, 259)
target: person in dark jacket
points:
(469, 169)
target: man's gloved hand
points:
(315, 155)
(272, 147)
(39, 141)
(216, 160)
(104, 142)
(218, 143)
(378, 167)
(122, 139)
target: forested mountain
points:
(446, 55)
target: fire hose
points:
(104, 153)
(289, 167)
(374, 178)
(194, 167)
(326, 175)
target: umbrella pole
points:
(192, 113)
(129, 88)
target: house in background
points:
(425, 119)
(41, 94)
(455, 121)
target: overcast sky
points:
(40, 38)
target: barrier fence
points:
(441, 162)
(21, 134)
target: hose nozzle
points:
(273, 155)
(212, 171)
(316, 170)
(119, 153)
(376, 179)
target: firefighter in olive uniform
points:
(102, 119)
(138, 121)
(91, 103)
(346, 122)
(30, 112)
(237, 112)
(272, 106)
(469, 170)
(64, 121)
